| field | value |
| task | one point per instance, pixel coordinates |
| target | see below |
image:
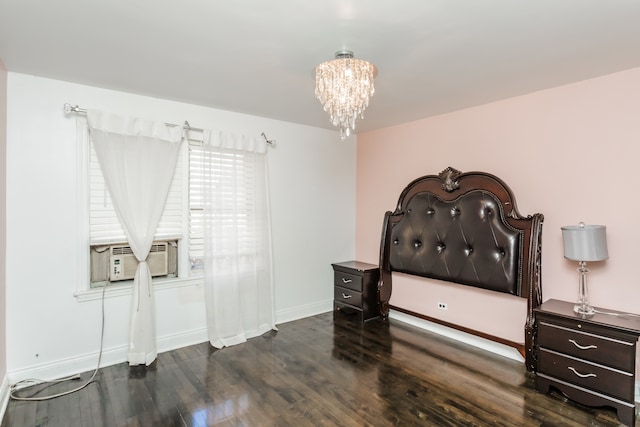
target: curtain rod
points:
(68, 108)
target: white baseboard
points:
(284, 316)
(483, 343)
(184, 339)
(111, 356)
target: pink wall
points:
(570, 153)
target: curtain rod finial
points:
(68, 108)
(268, 141)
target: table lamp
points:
(584, 243)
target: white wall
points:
(49, 332)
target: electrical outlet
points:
(442, 305)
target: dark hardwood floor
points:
(314, 372)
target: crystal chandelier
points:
(344, 86)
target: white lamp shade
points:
(585, 242)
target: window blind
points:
(104, 226)
(232, 175)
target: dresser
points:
(355, 289)
(592, 360)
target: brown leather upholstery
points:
(464, 241)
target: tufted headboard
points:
(464, 228)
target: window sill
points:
(126, 289)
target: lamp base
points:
(584, 310)
(582, 307)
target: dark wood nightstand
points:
(355, 289)
(591, 360)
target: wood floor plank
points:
(312, 372)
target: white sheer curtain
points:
(137, 158)
(237, 262)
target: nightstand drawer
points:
(608, 381)
(588, 346)
(347, 296)
(346, 280)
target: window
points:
(110, 257)
(232, 173)
(103, 222)
(182, 223)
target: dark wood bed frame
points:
(464, 228)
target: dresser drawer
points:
(612, 352)
(608, 381)
(346, 280)
(347, 296)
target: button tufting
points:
(499, 254)
(469, 251)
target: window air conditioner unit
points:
(123, 262)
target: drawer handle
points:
(583, 347)
(346, 296)
(346, 280)
(581, 375)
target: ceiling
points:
(258, 56)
